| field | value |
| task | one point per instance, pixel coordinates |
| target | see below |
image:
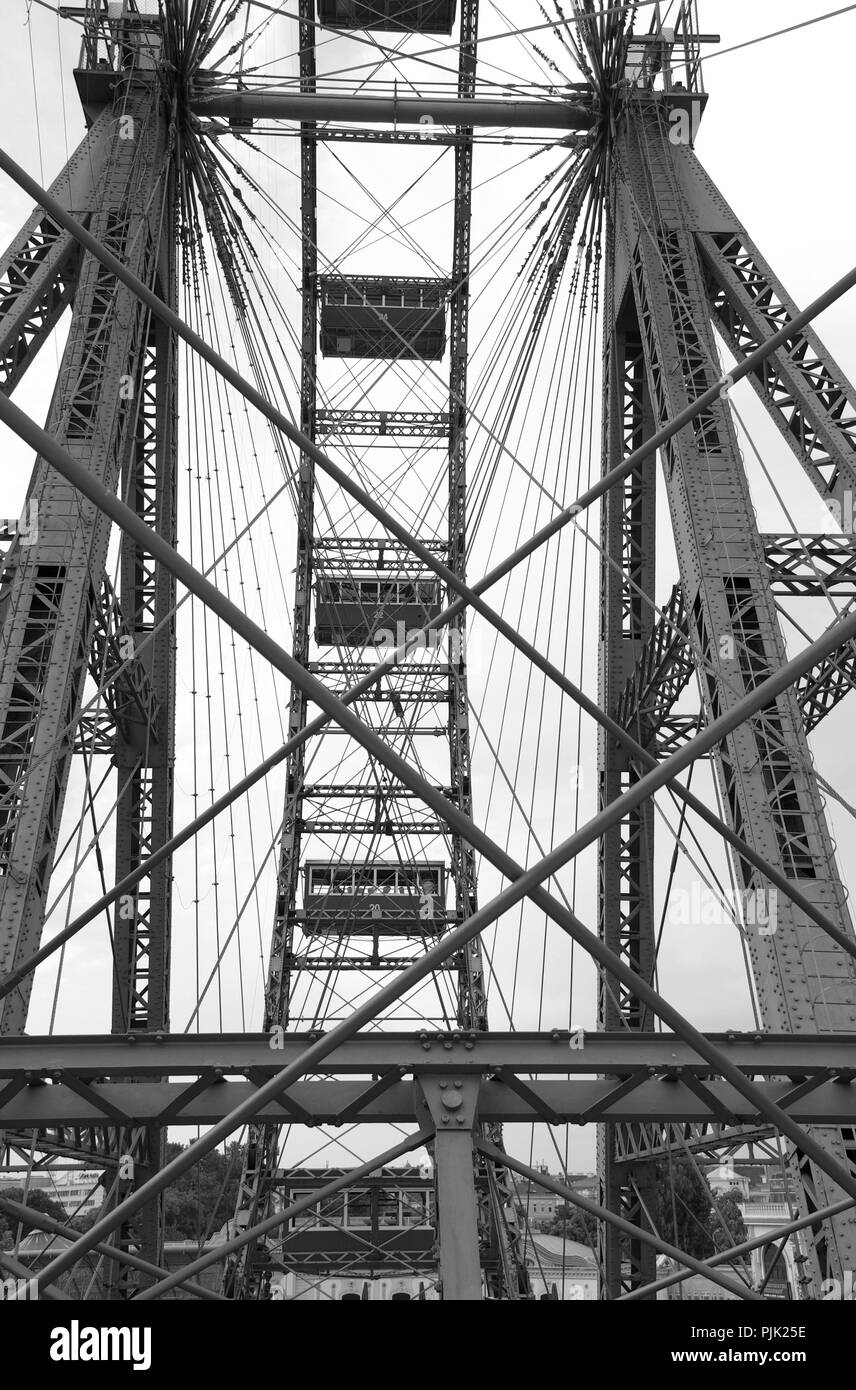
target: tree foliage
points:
(35, 1198)
(574, 1224)
(683, 1210)
(200, 1201)
(728, 1206)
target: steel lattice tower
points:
(359, 897)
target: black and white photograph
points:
(427, 671)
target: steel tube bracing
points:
(586, 499)
(749, 703)
(470, 593)
(339, 476)
(738, 1251)
(277, 1219)
(642, 755)
(454, 111)
(196, 583)
(18, 1270)
(612, 1218)
(708, 398)
(41, 1222)
(667, 342)
(769, 346)
(661, 436)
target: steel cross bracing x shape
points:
(805, 391)
(666, 665)
(738, 1251)
(490, 1151)
(620, 471)
(638, 1078)
(628, 1228)
(523, 881)
(469, 594)
(185, 573)
(800, 566)
(37, 1219)
(706, 1267)
(616, 473)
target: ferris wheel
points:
(418, 753)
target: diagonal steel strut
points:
(271, 1223)
(604, 1214)
(467, 593)
(524, 882)
(21, 1212)
(307, 446)
(737, 1251)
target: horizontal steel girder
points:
(300, 106)
(613, 1054)
(643, 1078)
(331, 1102)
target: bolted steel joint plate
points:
(450, 1103)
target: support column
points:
(803, 981)
(55, 582)
(626, 852)
(452, 1106)
(263, 1141)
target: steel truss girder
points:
(714, 1140)
(92, 1146)
(626, 852)
(818, 691)
(764, 767)
(663, 669)
(377, 424)
(811, 566)
(523, 881)
(305, 960)
(329, 134)
(145, 760)
(527, 880)
(804, 389)
(826, 684)
(375, 549)
(472, 995)
(804, 566)
(39, 270)
(49, 619)
(379, 825)
(130, 705)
